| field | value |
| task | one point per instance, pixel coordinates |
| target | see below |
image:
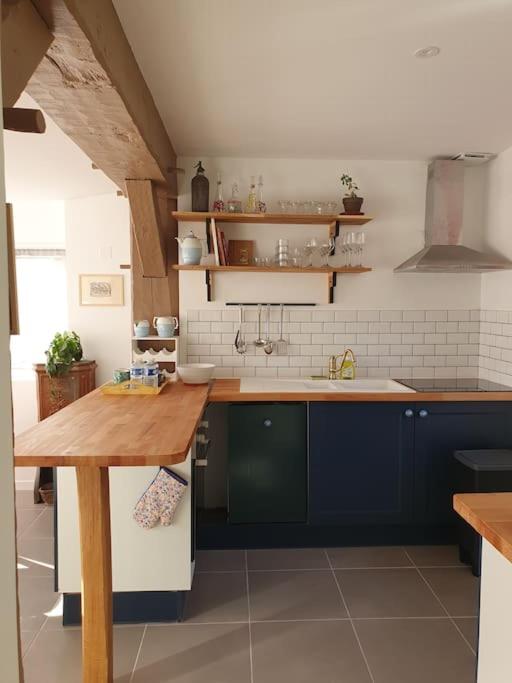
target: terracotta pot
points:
(353, 205)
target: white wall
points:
(9, 661)
(394, 193)
(98, 241)
(497, 287)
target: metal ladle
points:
(260, 341)
(269, 344)
(240, 345)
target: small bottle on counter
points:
(136, 372)
(150, 378)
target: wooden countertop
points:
(490, 514)
(103, 431)
(228, 390)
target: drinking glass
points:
(331, 208)
(360, 241)
(326, 249)
(282, 205)
(292, 206)
(307, 251)
(351, 247)
(297, 257)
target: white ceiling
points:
(326, 78)
(48, 166)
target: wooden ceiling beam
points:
(148, 230)
(90, 84)
(24, 120)
(25, 40)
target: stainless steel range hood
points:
(443, 252)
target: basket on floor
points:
(46, 493)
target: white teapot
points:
(191, 249)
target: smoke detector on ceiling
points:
(474, 158)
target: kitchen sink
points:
(263, 385)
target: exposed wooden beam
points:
(147, 227)
(25, 40)
(24, 120)
(90, 84)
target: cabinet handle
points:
(408, 413)
(423, 413)
(267, 423)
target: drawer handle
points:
(408, 413)
(423, 413)
(267, 423)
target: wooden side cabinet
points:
(55, 394)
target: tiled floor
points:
(351, 615)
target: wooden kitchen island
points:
(93, 434)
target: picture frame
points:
(101, 290)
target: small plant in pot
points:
(64, 350)
(351, 201)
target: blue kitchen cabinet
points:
(361, 463)
(441, 429)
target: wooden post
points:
(94, 515)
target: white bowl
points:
(196, 373)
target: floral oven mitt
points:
(160, 500)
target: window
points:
(42, 304)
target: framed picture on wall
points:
(101, 290)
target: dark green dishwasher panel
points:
(267, 462)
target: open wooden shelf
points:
(271, 218)
(275, 269)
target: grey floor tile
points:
(217, 597)
(294, 595)
(26, 638)
(24, 518)
(287, 558)
(42, 527)
(55, 656)
(416, 651)
(217, 653)
(383, 556)
(35, 556)
(387, 593)
(36, 598)
(457, 589)
(220, 560)
(25, 499)
(320, 651)
(469, 628)
(434, 555)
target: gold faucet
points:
(335, 370)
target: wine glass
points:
(351, 247)
(360, 241)
(326, 249)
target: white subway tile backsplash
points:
(311, 327)
(418, 316)
(344, 316)
(459, 315)
(391, 316)
(368, 315)
(210, 315)
(402, 327)
(418, 343)
(322, 316)
(441, 316)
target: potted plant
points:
(351, 201)
(65, 349)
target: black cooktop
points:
(426, 385)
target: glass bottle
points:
(234, 203)
(200, 190)
(260, 204)
(218, 204)
(250, 206)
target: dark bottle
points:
(200, 190)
